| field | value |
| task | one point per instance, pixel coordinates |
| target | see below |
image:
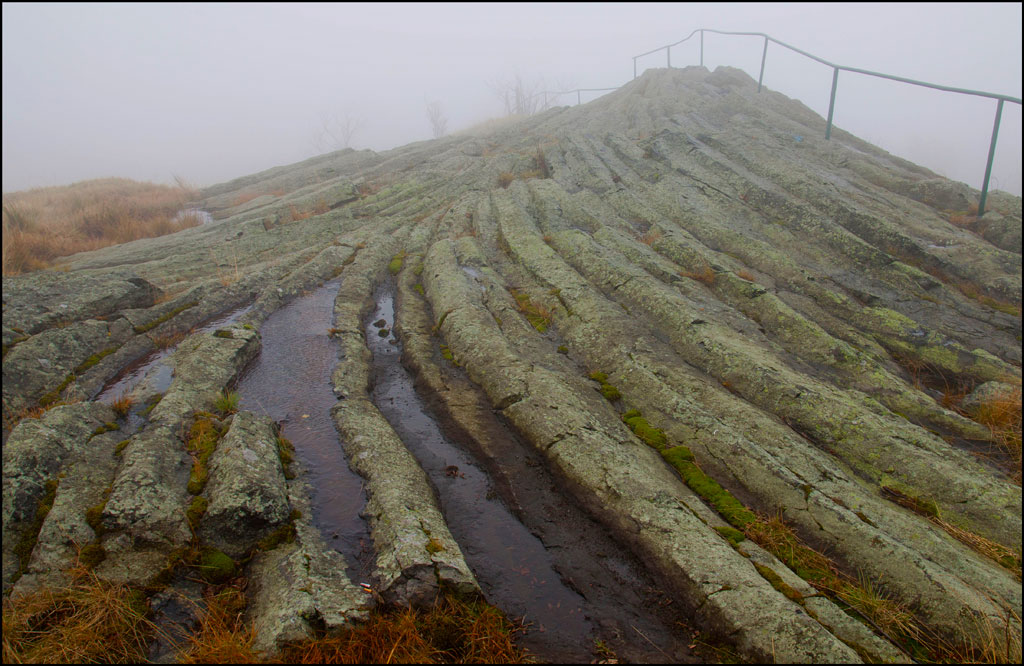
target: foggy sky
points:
(213, 92)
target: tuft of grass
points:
(166, 341)
(651, 237)
(222, 637)
(122, 404)
(227, 402)
(452, 631)
(1002, 414)
(88, 621)
(535, 313)
(704, 274)
(746, 275)
(998, 553)
(890, 616)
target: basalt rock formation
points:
(692, 307)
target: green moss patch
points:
(173, 313)
(286, 453)
(95, 358)
(283, 534)
(202, 442)
(214, 566)
(110, 426)
(734, 536)
(396, 263)
(610, 393)
(653, 437)
(730, 508)
(922, 506)
(779, 584)
(151, 403)
(434, 546)
(195, 511)
(27, 542)
(91, 555)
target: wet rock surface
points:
(781, 312)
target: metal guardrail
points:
(835, 81)
(577, 91)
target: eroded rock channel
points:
(652, 363)
(290, 383)
(604, 596)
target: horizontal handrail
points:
(858, 70)
(835, 81)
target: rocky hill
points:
(730, 346)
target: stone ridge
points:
(784, 311)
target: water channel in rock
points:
(576, 589)
(291, 382)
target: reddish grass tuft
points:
(222, 637)
(703, 274)
(453, 631)
(651, 237)
(88, 621)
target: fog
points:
(213, 92)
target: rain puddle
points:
(290, 381)
(572, 587)
(151, 368)
(200, 215)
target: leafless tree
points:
(521, 97)
(337, 130)
(438, 123)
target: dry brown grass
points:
(651, 237)
(122, 404)
(746, 275)
(451, 632)
(222, 637)
(703, 274)
(88, 621)
(1003, 417)
(42, 224)
(165, 341)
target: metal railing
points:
(577, 91)
(835, 81)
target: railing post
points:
(634, 67)
(668, 56)
(764, 54)
(701, 48)
(578, 102)
(991, 154)
(832, 103)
